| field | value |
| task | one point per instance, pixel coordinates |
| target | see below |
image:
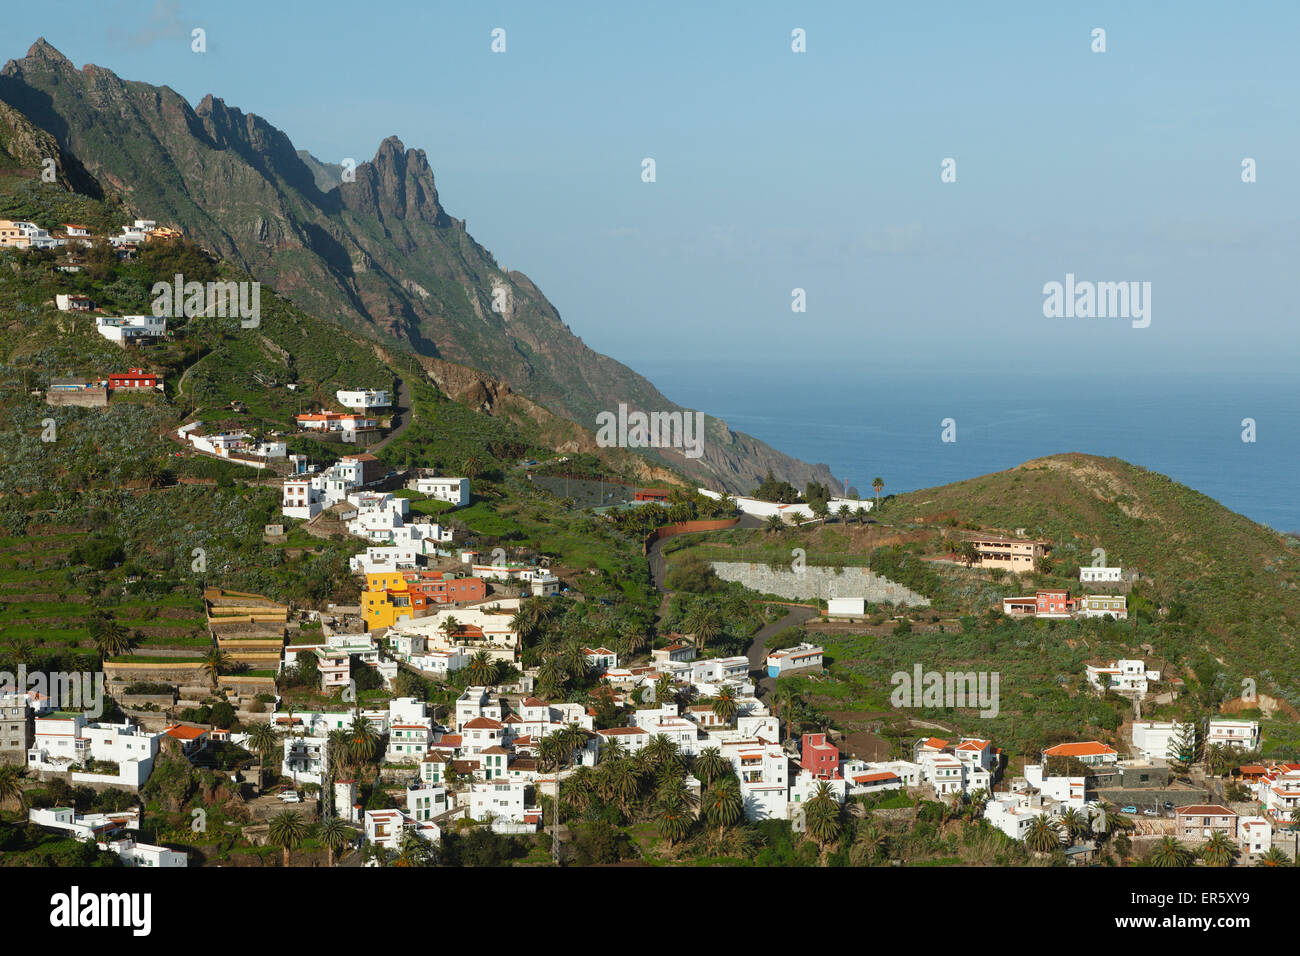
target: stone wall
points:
(819, 582)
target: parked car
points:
(1128, 809)
(1150, 812)
(1169, 805)
(290, 796)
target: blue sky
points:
(819, 170)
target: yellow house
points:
(385, 581)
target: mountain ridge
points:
(378, 253)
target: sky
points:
(821, 170)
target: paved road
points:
(758, 656)
(401, 414)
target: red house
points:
(650, 494)
(1056, 602)
(433, 587)
(133, 378)
(820, 758)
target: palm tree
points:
(11, 787)
(362, 737)
(674, 818)
(725, 706)
(263, 739)
(1216, 758)
(1169, 853)
(1274, 857)
(867, 844)
(1218, 850)
(109, 636)
(878, 484)
(1074, 825)
(1111, 819)
(335, 834)
(665, 691)
(449, 627)
(214, 662)
(287, 831)
(703, 622)
(659, 750)
(552, 677)
(774, 523)
(1044, 835)
(859, 513)
(821, 509)
(482, 669)
(151, 472)
(472, 466)
(822, 815)
(710, 765)
(723, 805)
(844, 511)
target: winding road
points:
(755, 651)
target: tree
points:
(1218, 850)
(482, 669)
(704, 624)
(1274, 857)
(878, 484)
(263, 740)
(335, 835)
(1044, 835)
(725, 705)
(1074, 824)
(822, 815)
(1170, 853)
(450, 628)
(859, 513)
(821, 509)
(11, 786)
(214, 662)
(287, 831)
(723, 805)
(674, 818)
(774, 523)
(844, 511)
(710, 765)
(152, 472)
(362, 738)
(109, 636)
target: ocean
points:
(864, 423)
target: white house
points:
(454, 490)
(1158, 740)
(1255, 835)
(1123, 676)
(130, 328)
(386, 828)
(1099, 575)
(500, 800)
(64, 742)
(1238, 734)
(306, 759)
(846, 607)
(801, 656)
(363, 398)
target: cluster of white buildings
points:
(109, 832)
(380, 518)
(425, 643)
(67, 742)
(1123, 676)
(308, 491)
(239, 447)
(334, 659)
(540, 582)
(791, 513)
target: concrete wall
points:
(818, 582)
(84, 397)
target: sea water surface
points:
(866, 423)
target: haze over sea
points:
(863, 422)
